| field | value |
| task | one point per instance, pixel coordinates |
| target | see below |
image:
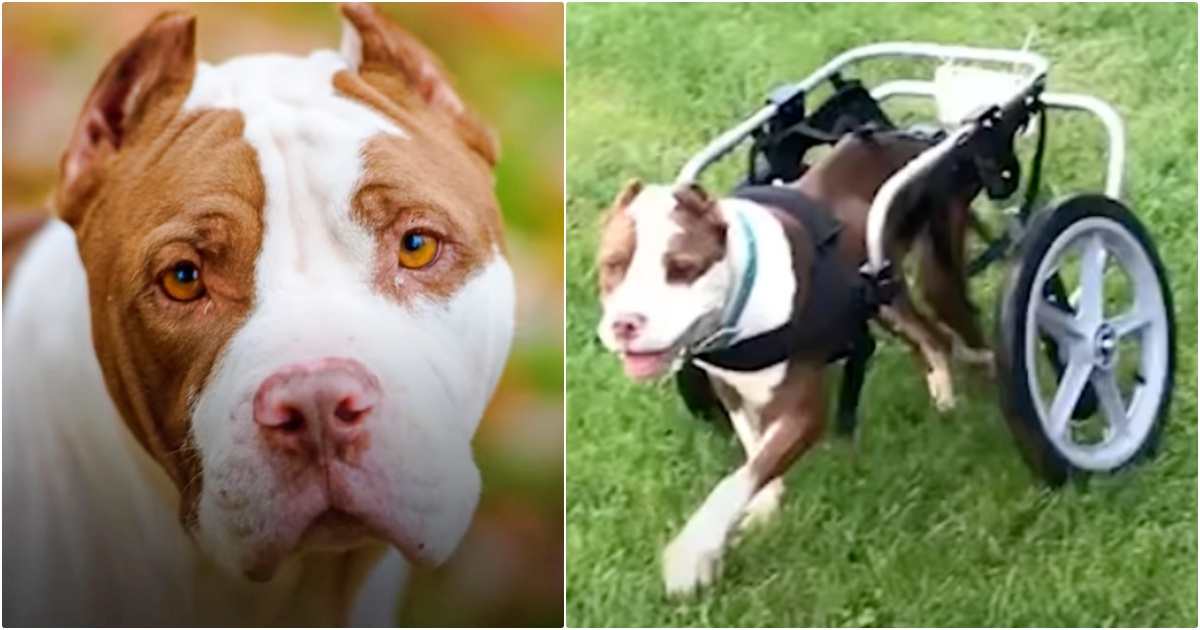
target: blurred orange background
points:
(508, 62)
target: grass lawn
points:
(926, 519)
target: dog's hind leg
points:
(795, 419)
(943, 280)
(931, 347)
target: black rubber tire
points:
(1015, 397)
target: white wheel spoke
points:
(1093, 355)
(1091, 280)
(1070, 388)
(1057, 323)
(1104, 382)
(1130, 322)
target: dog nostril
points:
(294, 423)
(347, 413)
(626, 327)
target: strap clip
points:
(879, 289)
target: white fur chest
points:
(755, 388)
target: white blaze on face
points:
(672, 312)
(437, 361)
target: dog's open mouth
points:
(647, 365)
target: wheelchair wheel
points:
(1085, 340)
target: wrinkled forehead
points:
(652, 213)
(661, 231)
(319, 140)
(293, 116)
(284, 92)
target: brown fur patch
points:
(438, 180)
(793, 420)
(701, 243)
(423, 184)
(618, 240)
(156, 206)
(846, 180)
(146, 187)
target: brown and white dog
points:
(670, 261)
(244, 366)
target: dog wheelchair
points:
(1084, 331)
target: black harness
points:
(841, 301)
(830, 325)
(836, 305)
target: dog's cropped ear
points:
(692, 197)
(628, 193)
(161, 58)
(373, 42)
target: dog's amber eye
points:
(182, 282)
(418, 250)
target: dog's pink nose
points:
(325, 403)
(626, 327)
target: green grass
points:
(927, 520)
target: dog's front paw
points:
(689, 565)
(941, 389)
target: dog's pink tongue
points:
(644, 365)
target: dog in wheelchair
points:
(750, 297)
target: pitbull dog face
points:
(299, 295)
(664, 275)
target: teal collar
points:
(733, 312)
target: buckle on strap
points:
(879, 288)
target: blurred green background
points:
(508, 60)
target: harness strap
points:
(854, 376)
(737, 306)
(832, 313)
(832, 323)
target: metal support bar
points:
(1114, 127)
(877, 216)
(723, 144)
(1035, 64)
(1114, 180)
(726, 142)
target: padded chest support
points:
(833, 314)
